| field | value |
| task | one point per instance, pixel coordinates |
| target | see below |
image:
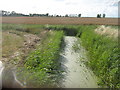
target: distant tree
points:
(8, 13)
(66, 15)
(51, 15)
(4, 13)
(57, 15)
(30, 15)
(104, 15)
(98, 15)
(13, 12)
(47, 14)
(79, 15)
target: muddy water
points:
(76, 74)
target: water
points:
(76, 74)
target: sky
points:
(88, 8)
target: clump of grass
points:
(45, 59)
(76, 47)
(28, 28)
(104, 56)
(70, 30)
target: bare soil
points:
(60, 20)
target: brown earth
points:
(29, 43)
(60, 20)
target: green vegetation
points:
(70, 30)
(11, 43)
(104, 56)
(44, 61)
(42, 65)
(103, 53)
(28, 28)
(13, 36)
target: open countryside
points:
(55, 56)
(61, 20)
(59, 44)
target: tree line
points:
(13, 13)
(99, 15)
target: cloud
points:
(85, 7)
(115, 4)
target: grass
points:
(29, 28)
(41, 65)
(104, 56)
(13, 36)
(44, 61)
(11, 43)
(103, 53)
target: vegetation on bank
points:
(103, 53)
(28, 28)
(104, 56)
(40, 67)
(15, 37)
(44, 61)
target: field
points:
(60, 20)
(35, 49)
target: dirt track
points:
(60, 20)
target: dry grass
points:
(17, 44)
(108, 31)
(10, 43)
(60, 20)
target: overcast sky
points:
(86, 7)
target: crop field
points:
(35, 49)
(60, 20)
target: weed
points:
(45, 58)
(104, 56)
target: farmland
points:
(60, 20)
(36, 50)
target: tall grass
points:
(103, 53)
(41, 65)
(13, 36)
(43, 62)
(29, 28)
(104, 56)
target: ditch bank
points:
(75, 73)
